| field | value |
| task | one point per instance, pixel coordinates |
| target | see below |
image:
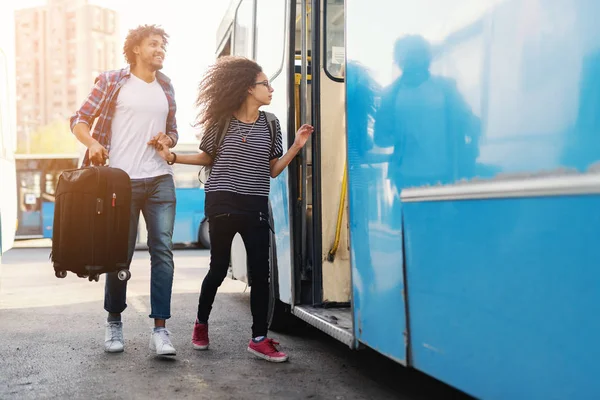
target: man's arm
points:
(83, 119)
(172, 120)
(92, 105)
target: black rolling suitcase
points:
(91, 223)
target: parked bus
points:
(445, 211)
(8, 198)
(37, 176)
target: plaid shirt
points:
(102, 101)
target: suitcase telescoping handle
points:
(100, 203)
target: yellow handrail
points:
(338, 229)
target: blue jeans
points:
(155, 198)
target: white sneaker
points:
(113, 337)
(161, 343)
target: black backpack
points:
(204, 172)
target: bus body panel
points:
(8, 146)
(499, 277)
(8, 201)
(189, 213)
(375, 210)
(280, 208)
(503, 295)
(47, 219)
(279, 195)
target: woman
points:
(245, 158)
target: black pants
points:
(254, 230)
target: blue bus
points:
(37, 177)
(8, 145)
(445, 211)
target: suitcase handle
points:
(99, 205)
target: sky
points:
(191, 25)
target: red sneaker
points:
(200, 336)
(266, 349)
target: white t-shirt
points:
(140, 114)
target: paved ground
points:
(52, 337)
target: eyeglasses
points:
(265, 84)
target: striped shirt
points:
(240, 178)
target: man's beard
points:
(155, 66)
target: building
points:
(60, 48)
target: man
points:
(133, 105)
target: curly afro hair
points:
(224, 89)
(137, 35)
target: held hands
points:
(302, 135)
(161, 140)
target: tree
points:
(54, 138)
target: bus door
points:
(260, 30)
(29, 196)
(379, 290)
(37, 177)
(323, 274)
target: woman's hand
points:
(302, 135)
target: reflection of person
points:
(582, 147)
(362, 90)
(237, 190)
(133, 105)
(432, 129)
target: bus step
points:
(336, 322)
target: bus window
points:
(270, 36)
(334, 39)
(29, 211)
(243, 37)
(226, 50)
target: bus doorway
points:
(322, 274)
(37, 176)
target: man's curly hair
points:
(137, 35)
(223, 89)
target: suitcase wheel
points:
(95, 277)
(124, 275)
(60, 274)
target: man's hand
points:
(98, 154)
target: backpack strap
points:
(220, 136)
(272, 123)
